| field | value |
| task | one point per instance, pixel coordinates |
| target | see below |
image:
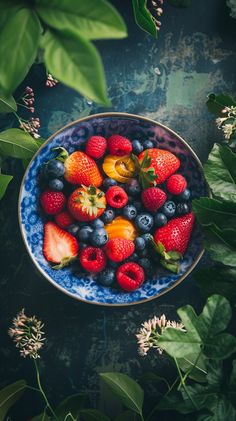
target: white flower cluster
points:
(228, 123)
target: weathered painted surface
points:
(167, 80)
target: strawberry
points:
(86, 203)
(171, 240)
(116, 197)
(153, 198)
(176, 233)
(58, 245)
(119, 145)
(118, 249)
(130, 276)
(96, 147)
(64, 219)
(81, 169)
(176, 184)
(93, 259)
(52, 202)
(155, 165)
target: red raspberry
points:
(96, 146)
(130, 276)
(93, 259)
(116, 197)
(118, 249)
(64, 219)
(52, 202)
(153, 198)
(176, 184)
(119, 145)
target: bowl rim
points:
(80, 120)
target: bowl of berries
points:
(105, 209)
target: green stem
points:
(182, 383)
(42, 391)
(166, 394)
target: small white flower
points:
(227, 130)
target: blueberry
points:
(140, 243)
(56, 184)
(133, 187)
(113, 265)
(160, 219)
(107, 277)
(182, 209)
(54, 168)
(144, 221)
(185, 195)
(109, 182)
(145, 263)
(82, 246)
(97, 223)
(73, 229)
(85, 233)
(133, 258)
(143, 253)
(147, 238)
(148, 144)
(108, 216)
(137, 147)
(99, 237)
(130, 212)
(168, 209)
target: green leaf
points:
(215, 316)
(220, 346)
(128, 391)
(92, 415)
(4, 181)
(180, 3)
(196, 367)
(76, 62)
(220, 172)
(19, 40)
(10, 395)
(212, 211)
(41, 417)
(7, 103)
(180, 344)
(218, 245)
(232, 380)
(127, 416)
(90, 18)
(143, 17)
(174, 401)
(72, 404)
(218, 280)
(17, 144)
(216, 103)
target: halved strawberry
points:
(59, 246)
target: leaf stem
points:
(182, 383)
(166, 394)
(42, 391)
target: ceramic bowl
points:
(72, 280)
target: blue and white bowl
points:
(72, 280)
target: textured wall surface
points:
(167, 80)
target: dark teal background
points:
(168, 80)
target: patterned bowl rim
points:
(80, 120)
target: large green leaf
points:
(220, 172)
(10, 395)
(128, 391)
(212, 211)
(91, 18)
(217, 280)
(19, 40)
(220, 346)
(215, 316)
(17, 144)
(76, 62)
(72, 404)
(196, 367)
(92, 415)
(180, 344)
(216, 103)
(221, 244)
(143, 17)
(127, 416)
(4, 181)
(7, 103)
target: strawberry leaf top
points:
(62, 153)
(168, 260)
(145, 173)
